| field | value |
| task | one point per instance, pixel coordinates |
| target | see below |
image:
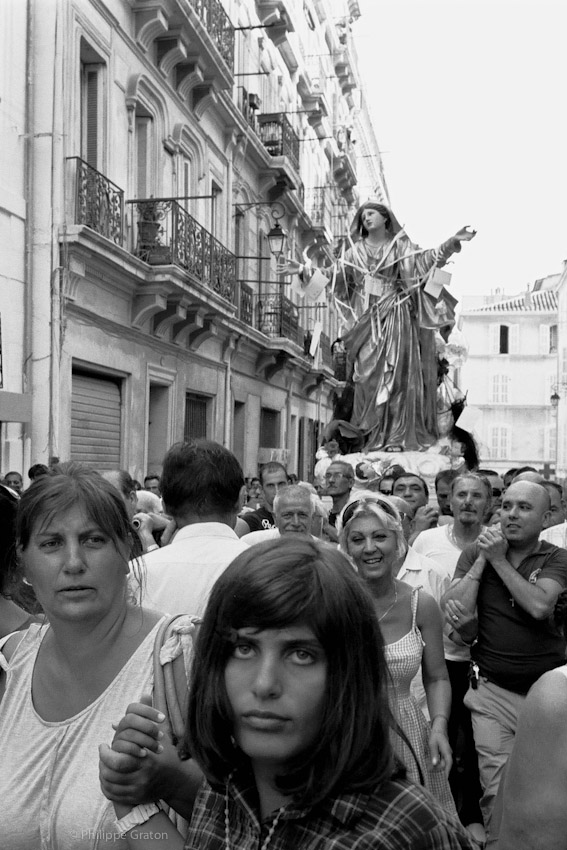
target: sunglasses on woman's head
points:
(381, 503)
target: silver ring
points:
(455, 618)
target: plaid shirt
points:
(397, 816)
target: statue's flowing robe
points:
(391, 341)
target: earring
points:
(25, 581)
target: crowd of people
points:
(216, 662)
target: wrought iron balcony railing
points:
(99, 203)
(325, 349)
(217, 23)
(168, 234)
(274, 314)
(318, 206)
(277, 316)
(249, 103)
(246, 304)
(278, 136)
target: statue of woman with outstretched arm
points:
(384, 291)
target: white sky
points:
(469, 104)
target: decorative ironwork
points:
(99, 203)
(169, 234)
(339, 360)
(278, 137)
(246, 305)
(325, 349)
(278, 317)
(217, 23)
(318, 206)
(248, 109)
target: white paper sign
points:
(315, 338)
(316, 285)
(373, 286)
(436, 282)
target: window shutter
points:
(494, 393)
(494, 339)
(544, 339)
(500, 442)
(504, 442)
(564, 364)
(142, 156)
(91, 117)
(514, 339)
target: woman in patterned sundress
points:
(411, 625)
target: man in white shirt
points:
(556, 531)
(201, 484)
(293, 513)
(470, 499)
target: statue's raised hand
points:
(464, 234)
(289, 267)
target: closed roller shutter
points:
(95, 422)
(195, 417)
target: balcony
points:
(192, 42)
(279, 138)
(326, 353)
(277, 316)
(273, 314)
(217, 23)
(249, 103)
(98, 202)
(168, 235)
(344, 172)
(318, 206)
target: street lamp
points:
(277, 240)
(277, 236)
(555, 399)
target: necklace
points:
(387, 611)
(227, 824)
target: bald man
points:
(501, 600)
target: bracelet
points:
(138, 815)
(433, 719)
(152, 547)
(439, 731)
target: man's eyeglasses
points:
(329, 477)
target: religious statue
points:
(391, 307)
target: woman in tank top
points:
(371, 534)
(64, 682)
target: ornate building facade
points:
(158, 149)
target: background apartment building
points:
(511, 376)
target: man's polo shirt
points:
(514, 649)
